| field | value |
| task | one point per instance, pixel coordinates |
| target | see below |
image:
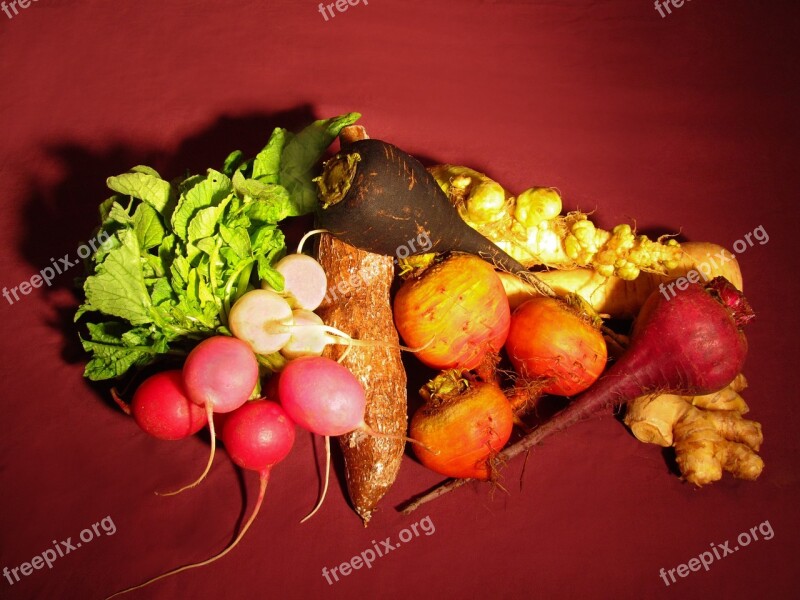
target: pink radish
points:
(219, 374)
(322, 396)
(257, 436)
(325, 398)
(160, 406)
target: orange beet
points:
(456, 312)
(463, 424)
(549, 341)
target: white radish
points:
(263, 319)
(308, 337)
(304, 281)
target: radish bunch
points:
(271, 321)
(220, 377)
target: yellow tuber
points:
(708, 432)
(531, 228)
(621, 298)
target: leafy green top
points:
(178, 254)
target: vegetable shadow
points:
(61, 217)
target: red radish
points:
(689, 345)
(456, 313)
(464, 423)
(257, 436)
(551, 342)
(160, 406)
(220, 374)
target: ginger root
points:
(531, 228)
(708, 432)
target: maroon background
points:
(686, 123)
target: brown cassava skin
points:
(620, 298)
(358, 303)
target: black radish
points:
(378, 198)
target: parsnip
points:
(621, 298)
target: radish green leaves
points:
(180, 253)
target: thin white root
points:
(306, 236)
(370, 431)
(210, 414)
(261, 490)
(327, 480)
(342, 338)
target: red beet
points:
(689, 344)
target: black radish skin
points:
(378, 198)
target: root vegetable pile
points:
(269, 340)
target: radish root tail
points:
(261, 491)
(306, 236)
(327, 480)
(210, 414)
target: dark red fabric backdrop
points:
(686, 122)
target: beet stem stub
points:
(378, 198)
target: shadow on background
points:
(60, 218)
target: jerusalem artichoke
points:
(531, 229)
